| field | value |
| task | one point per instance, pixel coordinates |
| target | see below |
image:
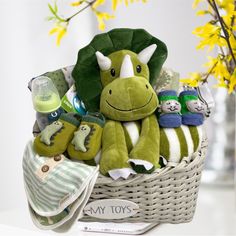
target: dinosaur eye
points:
(113, 72)
(138, 68)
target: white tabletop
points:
(215, 215)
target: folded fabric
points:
(167, 80)
(54, 139)
(65, 220)
(56, 187)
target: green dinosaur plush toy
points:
(113, 75)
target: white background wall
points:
(173, 22)
(26, 50)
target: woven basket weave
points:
(168, 195)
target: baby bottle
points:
(46, 101)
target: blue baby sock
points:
(192, 109)
(169, 111)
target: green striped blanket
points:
(175, 143)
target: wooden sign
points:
(111, 209)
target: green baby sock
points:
(87, 139)
(54, 139)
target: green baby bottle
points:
(46, 101)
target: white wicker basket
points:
(168, 195)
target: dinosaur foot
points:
(141, 166)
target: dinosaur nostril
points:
(146, 86)
(110, 91)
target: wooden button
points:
(57, 158)
(45, 168)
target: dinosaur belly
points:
(132, 133)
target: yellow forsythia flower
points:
(202, 12)
(115, 4)
(60, 31)
(218, 68)
(210, 36)
(195, 3)
(229, 13)
(132, 1)
(221, 84)
(232, 82)
(193, 79)
(232, 41)
(101, 16)
(211, 63)
(98, 3)
(221, 70)
(77, 3)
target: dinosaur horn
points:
(103, 62)
(145, 55)
(126, 69)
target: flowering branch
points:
(89, 4)
(222, 23)
(61, 24)
(218, 33)
(209, 73)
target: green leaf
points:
(54, 12)
(50, 18)
(55, 7)
(51, 9)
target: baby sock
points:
(54, 139)
(191, 108)
(169, 111)
(87, 139)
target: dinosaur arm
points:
(114, 148)
(148, 145)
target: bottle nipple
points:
(45, 96)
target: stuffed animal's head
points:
(127, 94)
(119, 68)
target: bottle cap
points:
(45, 96)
